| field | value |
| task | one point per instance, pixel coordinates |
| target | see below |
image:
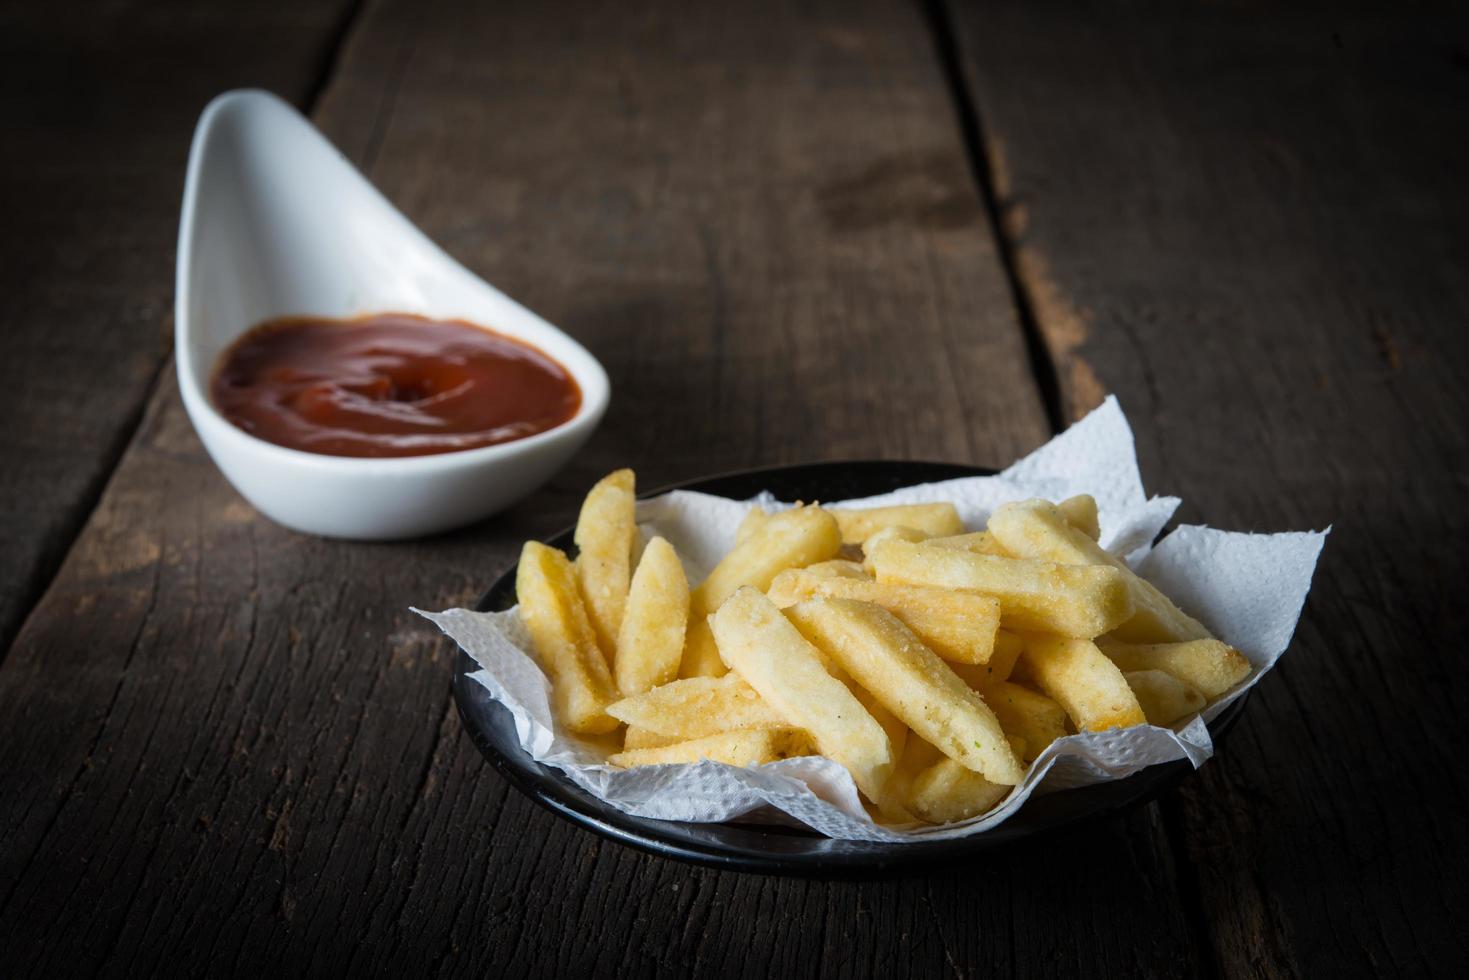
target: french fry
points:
(745, 748)
(636, 737)
(700, 655)
(1008, 647)
(696, 707)
(1024, 713)
(1083, 601)
(977, 676)
(764, 648)
(958, 626)
(883, 656)
(565, 644)
(651, 640)
(892, 725)
(639, 544)
(1211, 666)
(753, 521)
(837, 567)
(1036, 529)
(1165, 698)
(976, 542)
(1007, 650)
(789, 539)
(895, 532)
(1080, 512)
(896, 730)
(917, 755)
(860, 523)
(1075, 674)
(605, 533)
(946, 792)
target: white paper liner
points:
(1247, 588)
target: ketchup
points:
(390, 384)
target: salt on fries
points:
(935, 669)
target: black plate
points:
(777, 850)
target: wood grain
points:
(1251, 225)
(230, 748)
(99, 104)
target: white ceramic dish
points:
(276, 222)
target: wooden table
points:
(791, 232)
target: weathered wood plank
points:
(1251, 225)
(231, 748)
(99, 104)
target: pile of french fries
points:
(934, 664)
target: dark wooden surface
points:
(826, 231)
(98, 103)
(1263, 251)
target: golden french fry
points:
(745, 748)
(1165, 698)
(917, 755)
(650, 643)
(639, 544)
(888, 806)
(605, 533)
(697, 706)
(753, 521)
(896, 532)
(636, 737)
(1077, 675)
(1082, 601)
(976, 542)
(764, 648)
(897, 732)
(946, 792)
(788, 539)
(977, 676)
(1211, 666)
(786, 589)
(565, 644)
(700, 656)
(1036, 529)
(1080, 512)
(883, 656)
(860, 523)
(1008, 647)
(958, 626)
(1031, 716)
(887, 534)
(836, 568)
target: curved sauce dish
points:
(277, 223)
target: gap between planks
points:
(51, 564)
(977, 146)
(976, 149)
(45, 576)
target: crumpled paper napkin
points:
(1247, 588)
